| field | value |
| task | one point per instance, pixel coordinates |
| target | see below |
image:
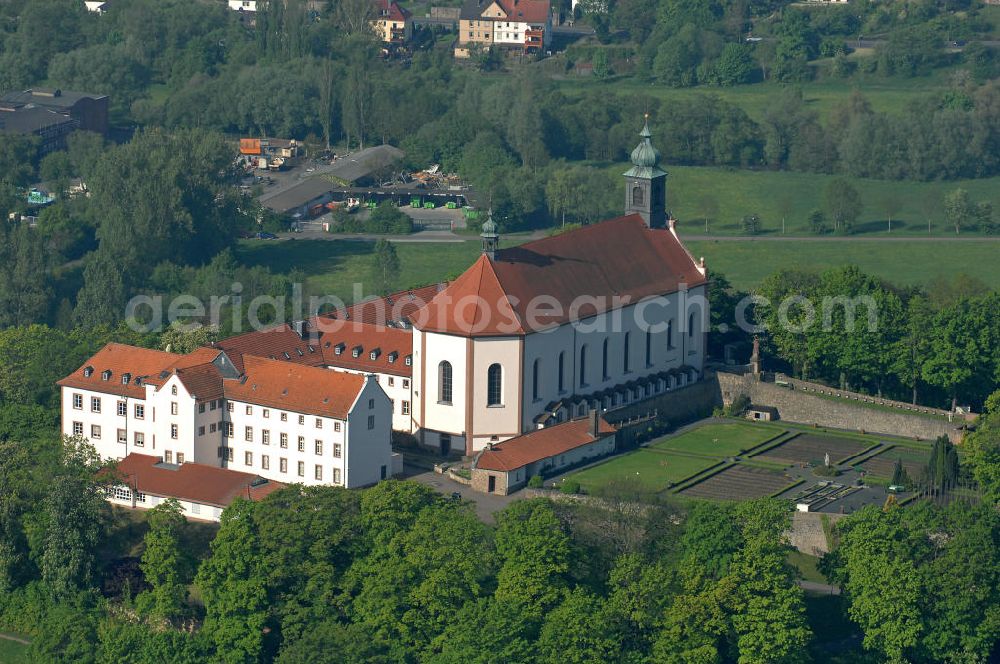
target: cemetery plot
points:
(807, 447)
(738, 483)
(821, 494)
(881, 465)
(654, 470)
(721, 440)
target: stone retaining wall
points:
(799, 405)
(807, 533)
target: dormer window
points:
(286, 356)
(299, 352)
(356, 351)
(409, 360)
(126, 378)
(106, 374)
(338, 349)
(375, 353)
(88, 372)
(392, 356)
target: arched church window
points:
(690, 325)
(625, 353)
(583, 365)
(444, 382)
(562, 371)
(604, 360)
(494, 384)
(534, 379)
(638, 196)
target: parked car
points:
(266, 236)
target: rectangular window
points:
(230, 406)
(173, 407)
(318, 473)
(284, 439)
(201, 431)
(213, 427)
(168, 456)
(122, 409)
(173, 390)
(371, 404)
(302, 419)
(371, 421)
(201, 408)
(229, 429)
(319, 448)
(302, 443)
(95, 431)
(140, 411)
(213, 405)
(139, 440)
(267, 413)
(173, 431)
(319, 423)
(180, 457)
(406, 408)
(248, 458)
(406, 382)
(336, 475)
(249, 410)
(265, 462)
(195, 508)
(337, 450)
(122, 436)
(392, 381)
(283, 464)
(284, 417)
(302, 469)
(95, 404)
(78, 401)
(231, 454)
(336, 426)
(248, 434)
(265, 436)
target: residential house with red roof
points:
(392, 23)
(521, 25)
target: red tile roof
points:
(391, 11)
(275, 342)
(541, 444)
(618, 258)
(394, 307)
(120, 359)
(196, 482)
(525, 11)
(294, 387)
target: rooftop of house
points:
(207, 485)
(390, 10)
(519, 11)
(542, 444)
(209, 373)
(620, 258)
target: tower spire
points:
(645, 182)
(491, 239)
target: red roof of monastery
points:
(294, 387)
(541, 444)
(586, 268)
(196, 482)
(120, 359)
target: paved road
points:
(824, 588)
(485, 503)
(421, 236)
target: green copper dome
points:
(489, 227)
(645, 155)
(645, 158)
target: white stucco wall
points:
(369, 454)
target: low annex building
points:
(506, 467)
(203, 491)
(277, 419)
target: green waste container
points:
(429, 205)
(415, 202)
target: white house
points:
(243, 5)
(277, 419)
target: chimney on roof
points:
(595, 419)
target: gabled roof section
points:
(563, 278)
(542, 444)
(294, 387)
(120, 359)
(207, 485)
(390, 10)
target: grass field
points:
(12, 652)
(722, 440)
(651, 469)
(746, 264)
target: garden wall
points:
(796, 404)
(681, 406)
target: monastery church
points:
(592, 319)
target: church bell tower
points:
(490, 236)
(646, 183)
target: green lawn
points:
(651, 469)
(746, 264)
(718, 440)
(12, 652)
(807, 566)
(773, 195)
(824, 95)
